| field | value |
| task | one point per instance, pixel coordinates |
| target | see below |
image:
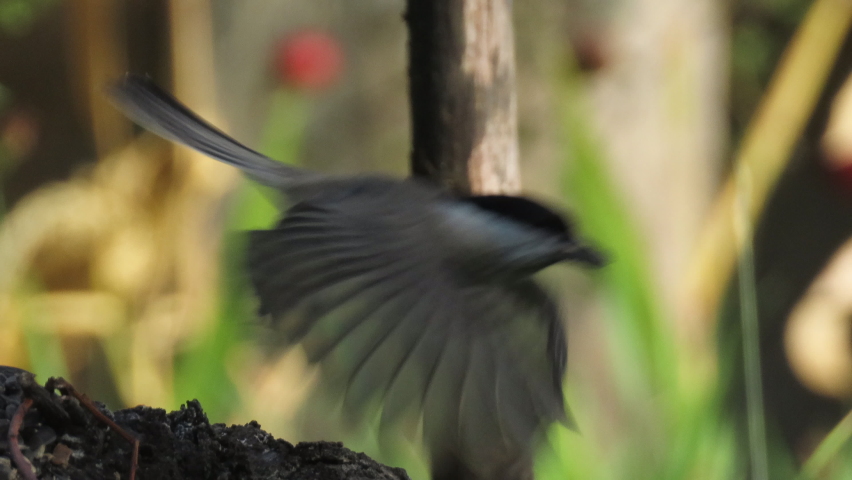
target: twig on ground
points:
(62, 384)
(21, 462)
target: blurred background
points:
(705, 145)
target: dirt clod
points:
(63, 444)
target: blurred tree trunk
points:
(463, 102)
(659, 103)
(464, 126)
(97, 50)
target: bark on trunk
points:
(464, 131)
(463, 104)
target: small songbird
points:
(417, 301)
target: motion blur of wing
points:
(359, 275)
(395, 324)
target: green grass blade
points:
(751, 334)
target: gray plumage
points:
(413, 300)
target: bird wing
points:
(153, 108)
(358, 282)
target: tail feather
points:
(153, 108)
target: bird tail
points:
(153, 108)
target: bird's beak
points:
(586, 255)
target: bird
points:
(414, 300)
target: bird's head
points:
(536, 216)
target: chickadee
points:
(415, 300)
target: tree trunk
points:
(464, 129)
(463, 104)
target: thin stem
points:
(62, 384)
(750, 330)
(24, 466)
(828, 448)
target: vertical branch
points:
(95, 51)
(463, 104)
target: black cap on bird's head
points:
(537, 216)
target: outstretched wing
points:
(360, 283)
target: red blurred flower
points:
(309, 59)
(843, 177)
(837, 140)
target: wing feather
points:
(397, 327)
